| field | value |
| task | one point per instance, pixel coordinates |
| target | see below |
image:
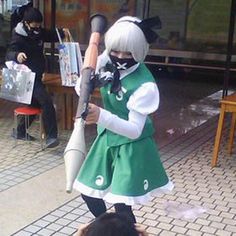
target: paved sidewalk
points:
(33, 199)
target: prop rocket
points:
(75, 151)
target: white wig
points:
(125, 36)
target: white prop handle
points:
(74, 154)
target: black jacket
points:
(33, 48)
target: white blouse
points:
(144, 101)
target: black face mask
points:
(33, 32)
(122, 63)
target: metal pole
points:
(146, 6)
(186, 21)
(2, 5)
(36, 4)
(229, 48)
(53, 26)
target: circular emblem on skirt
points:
(145, 184)
(99, 180)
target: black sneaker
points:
(22, 136)
(51, 142)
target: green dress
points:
(118, 169)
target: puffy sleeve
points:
(144, 101)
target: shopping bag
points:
(70, 61)
(17, 84)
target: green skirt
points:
(122, 174)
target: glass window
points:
(194, 25)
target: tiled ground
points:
(202, 203)
(197, 187)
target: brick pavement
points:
(187, 161)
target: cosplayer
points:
(123, 166)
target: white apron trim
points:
(128, 200)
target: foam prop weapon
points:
(75, 151)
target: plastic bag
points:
(17, 83)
